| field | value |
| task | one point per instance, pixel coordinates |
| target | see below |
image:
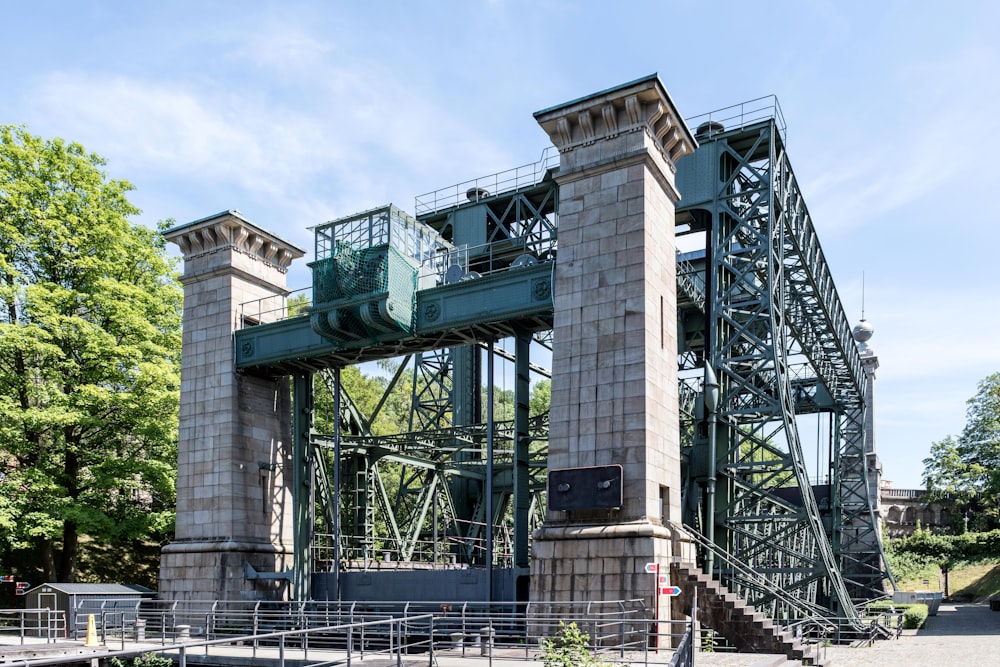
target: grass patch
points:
(969, 581)
(976, 582)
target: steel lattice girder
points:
(772, 302)
(428, 464)
(771, 305)
(824, 337)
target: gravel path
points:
(961, 635)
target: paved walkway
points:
(961, 635)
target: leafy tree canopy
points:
(979, 444)
(966, 470)
(89, 357)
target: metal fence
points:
(336, 633)
(22, 624)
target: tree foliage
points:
(89, 357)
(966, 470)
(924, 548)
(979, 444)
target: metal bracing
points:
(425, 466)
(775, 333)
(429, 485)
(435, 472)
(817, 321)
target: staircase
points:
(747, 629)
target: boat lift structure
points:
(465, 286)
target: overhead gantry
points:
(469, 284)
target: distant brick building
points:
(903, 509)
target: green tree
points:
(946, 472)
(979, 444)
(89, 358)
(541, 397)
(966, 470)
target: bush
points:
(570, 647)
(915, 616)
(884, 605)
(143, 660)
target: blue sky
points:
(296, 113)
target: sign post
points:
(654, 569)
(663, 587)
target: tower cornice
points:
(642, 105)
(231, 231)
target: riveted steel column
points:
(302, 495)
(522, 495)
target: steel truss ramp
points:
(775, 332)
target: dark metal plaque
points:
(590, 488)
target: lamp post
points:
(711, 390)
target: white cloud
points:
(281, 46)
(163, 127)
(363, 137)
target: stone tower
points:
(233, 475)
(614, 385)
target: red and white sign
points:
(22, 587)
(652, 568)
(671, 591)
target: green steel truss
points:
(774, 332)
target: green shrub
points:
(143, 660)
(883, 605)
(570, 647)
(914, 616)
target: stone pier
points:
(614, 384)
(234, 500)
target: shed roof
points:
(97, 589)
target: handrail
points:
(623, 628)
(806, 608)
(481, 188)
(816, 621)
(49, 624)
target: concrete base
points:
(215, 570)
(604, 562)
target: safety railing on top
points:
(274, 308)
(481, 188)
(739, 116)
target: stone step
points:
(744, 620)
